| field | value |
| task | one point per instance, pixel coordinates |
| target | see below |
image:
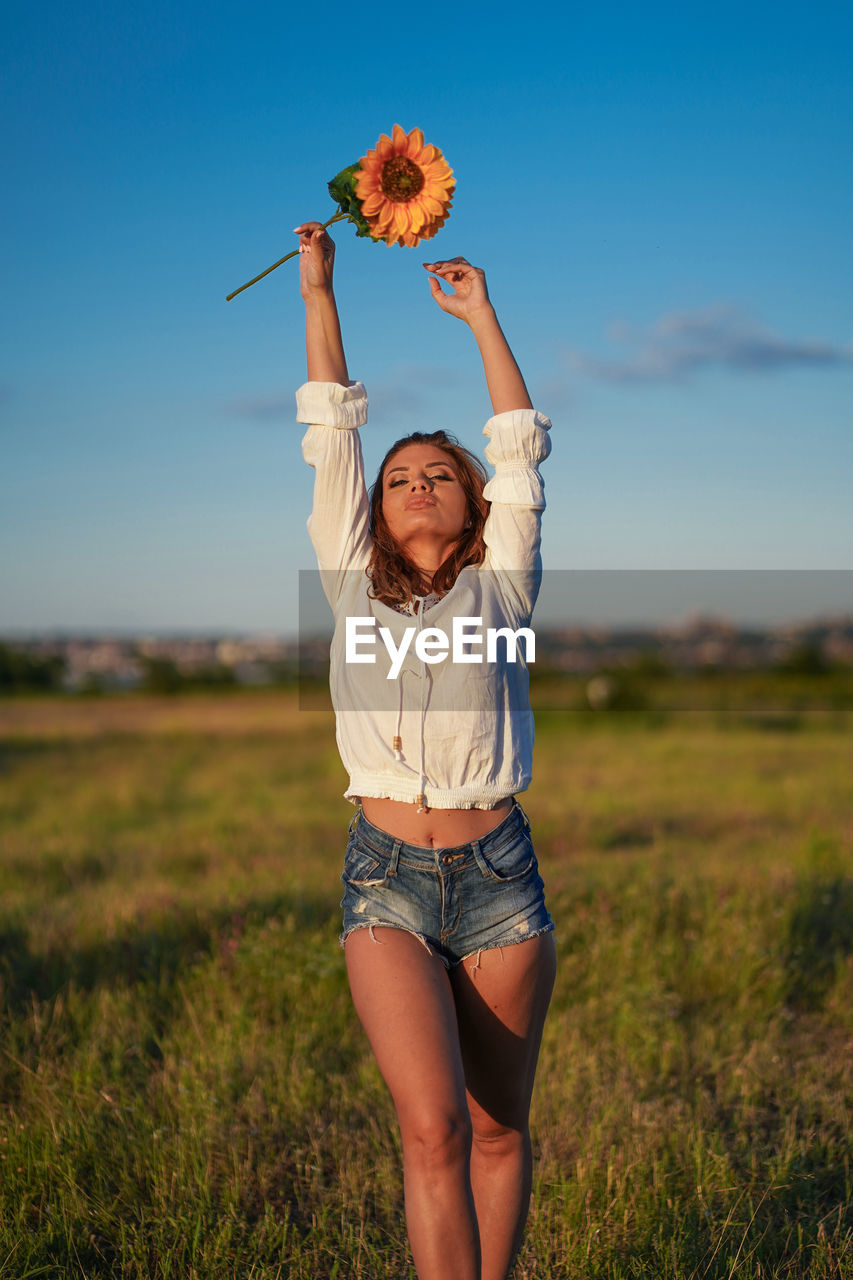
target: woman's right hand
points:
(324, 345)
(316, 259)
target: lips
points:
(414, 503)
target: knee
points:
(502, 1141)
(438, 1141)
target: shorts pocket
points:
(514, 861)
(361, 865)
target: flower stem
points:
(337, 217)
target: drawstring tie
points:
(397, 741)
(420, 798)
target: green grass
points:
(185, 1090)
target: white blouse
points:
(441, 733)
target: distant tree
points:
(160, 675)
(214, 677)
(92, 685)
(807, 658)
(614, 690)
(21, 672)
(651, 665)
(285, 671)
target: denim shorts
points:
(457, 901)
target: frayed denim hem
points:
(382, 924)
(521, 935)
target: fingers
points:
(448, 302)
(459, 265)
(313, 235)
(458, 268)
(307, 231)
(456, 271)
(437, 291)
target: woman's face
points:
(422, 497)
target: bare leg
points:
(501, 1002)
(403, 997)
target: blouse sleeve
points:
(518, 442)
(338, 524)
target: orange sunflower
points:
(405, 188)
(400, 193)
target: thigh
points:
(502, 997)
(403, 998)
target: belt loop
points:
(395, 857)
(354, 821)
(480, 860)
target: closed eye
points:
(437, 475)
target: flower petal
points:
(402, 217)
(432, 206)
(389, 214)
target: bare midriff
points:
(433, 828)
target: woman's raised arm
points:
(518, 440)
(470, 302)
(323, 342)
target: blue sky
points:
(661, 195)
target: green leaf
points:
(342, 186)
(342, 191)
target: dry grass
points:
(185, 1089)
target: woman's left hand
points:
(470, 296)
(469, 301)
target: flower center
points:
(401, 179)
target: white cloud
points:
(727, 337)
(269, 408)
(404, 394)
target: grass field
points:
(185, 1090)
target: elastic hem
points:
(383, 924)
(331, 404)
(374, 788)
(506, 942)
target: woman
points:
(448, 942)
